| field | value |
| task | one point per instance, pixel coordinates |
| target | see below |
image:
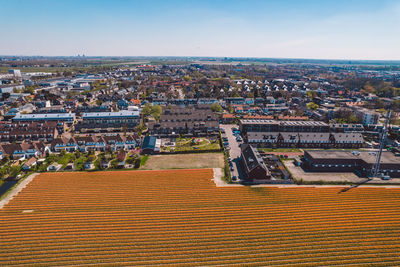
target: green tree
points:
(311, 94)
(312, 106)
(146, 111)
(156, 112)
(216, 107)
(14, 171)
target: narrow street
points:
(234, 151)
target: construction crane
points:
(375, 168)
(382, 141)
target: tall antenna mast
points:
(382, 141)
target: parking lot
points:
(234, 150)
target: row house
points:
(62, 119)
(24, 150)
(265, 125)
(124, 120)
(94, 143)
(305, 139)
(187, 128)
(185, 121)
(33, 131)
(228, 118)
(344, 128)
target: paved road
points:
(234, 152)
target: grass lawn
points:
(184, 161)
(186, 144)
(143, 160)
(64, 160)
(280, 149)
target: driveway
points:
(235, 151)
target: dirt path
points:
(218, 173)
(13, 192)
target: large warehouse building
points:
(360, 162)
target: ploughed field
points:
(179, 217)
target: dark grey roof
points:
(149, 142)
(267, 136)
(252, 158)
(348, 137)
(314, 137)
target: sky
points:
(317, 29)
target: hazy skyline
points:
(352, 29)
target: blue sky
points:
(328, 29)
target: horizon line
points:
(218, 57)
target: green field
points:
(198, 144)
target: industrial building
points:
(360, 162)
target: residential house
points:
(254, 168)
(120, 121)
(29, 164)
(151, 145)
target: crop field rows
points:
(179, 218)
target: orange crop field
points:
(179, 217)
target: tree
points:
(91, 158)
(369, 88)
(29, 90)
(130, 159)
(114, 163)
(311, 94)
(230, 108)
(14, 171)
(216, 107)
(146, 111)
(6, 95)
(140, 128)
(346, 116)
(156, 112)
(395, 105)
(312, 106)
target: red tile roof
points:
(228, 116)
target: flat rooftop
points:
(367, 156)
(44, 116)
(283, 123)
(122, 113)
